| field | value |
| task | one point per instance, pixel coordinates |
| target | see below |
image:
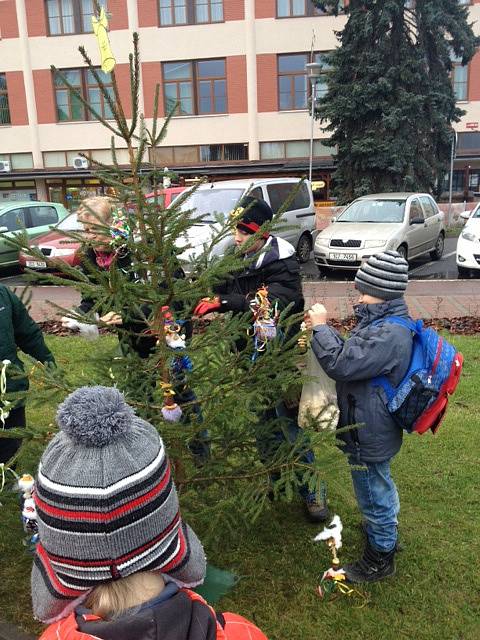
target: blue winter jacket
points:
(371, 350)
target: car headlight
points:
(56, 252)
(322, 240)
(370, 244)
(467, 235)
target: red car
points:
(54, 244)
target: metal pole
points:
(312, 117)
(452, 155)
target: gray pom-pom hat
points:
(106, 505)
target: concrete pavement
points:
(426, 299)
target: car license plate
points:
(343, 257)
(36, 264)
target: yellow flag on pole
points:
(100, 27)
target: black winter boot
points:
(373, 566)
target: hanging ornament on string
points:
(171, 411)
(119, 228)
(333, 580)
(26, 485)
(265, 317)
(5, 405)
(100, 29)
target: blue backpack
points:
(420, 401)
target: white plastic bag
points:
(319, 397)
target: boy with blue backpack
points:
(391, 374)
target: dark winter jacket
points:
(19, 331)
(276, 267)
(141, 344)
(369, 352)
(175, 615)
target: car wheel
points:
(437, 253)
(402, 250)
(463, 272)
(304, 248)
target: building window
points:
(294, 149)
(203, 153)
(459, 79)
(69, 106)
(293, 88)
(4, 108)
(300, 8)
(69, 16)
(18, 161)
(179, 12)
(198, 87)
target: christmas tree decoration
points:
(170, 410)
(120, 227)
(265, 317)
(26, 486)
(100, 29)
(5, 404)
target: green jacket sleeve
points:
(28, 335)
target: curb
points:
(10, 632)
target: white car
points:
(212, 199)
(410, 223)
(468, 245)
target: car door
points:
(40, 219)
(13, 220)
(278, 194)
(433, 220)
(417, 234)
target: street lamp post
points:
(314, 71)
(452, 158)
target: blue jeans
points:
(268, 441)
(377, 499)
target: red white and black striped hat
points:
(252, 214)
(106, 504)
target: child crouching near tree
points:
(114, 559)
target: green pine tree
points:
(232, 389)
(390, 103)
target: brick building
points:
(237, 67)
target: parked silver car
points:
(410, 223)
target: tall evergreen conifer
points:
(390, 104)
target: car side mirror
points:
(3, 229)
(334, 219)
(417, 221)
(465, 215)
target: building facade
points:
(236, 68)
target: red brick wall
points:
(233, 10)
(8, 19)
(119, 12)
(148, 13)
(152, 75)
(267, 86)
(237, 84)
(44, 96)
(16, 98)
(122, 75)
(474, 77)
(36, 18)
(265, 8)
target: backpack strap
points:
(407, 323)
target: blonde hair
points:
(111, 599)
(99, 208)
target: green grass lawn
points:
(435, 594)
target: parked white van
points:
(222, 197)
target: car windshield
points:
(476, 213)
(70, 223)
(207, 202)
(374, 211)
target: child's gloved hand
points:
(317, 315)
(206, 305)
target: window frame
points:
(4, 92)
(191, 14)
(195, 80)
(78, 19)
(457, 64)
(316, 57)
(84, 88)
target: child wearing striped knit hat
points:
(114, 558)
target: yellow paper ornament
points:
(100, 29)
